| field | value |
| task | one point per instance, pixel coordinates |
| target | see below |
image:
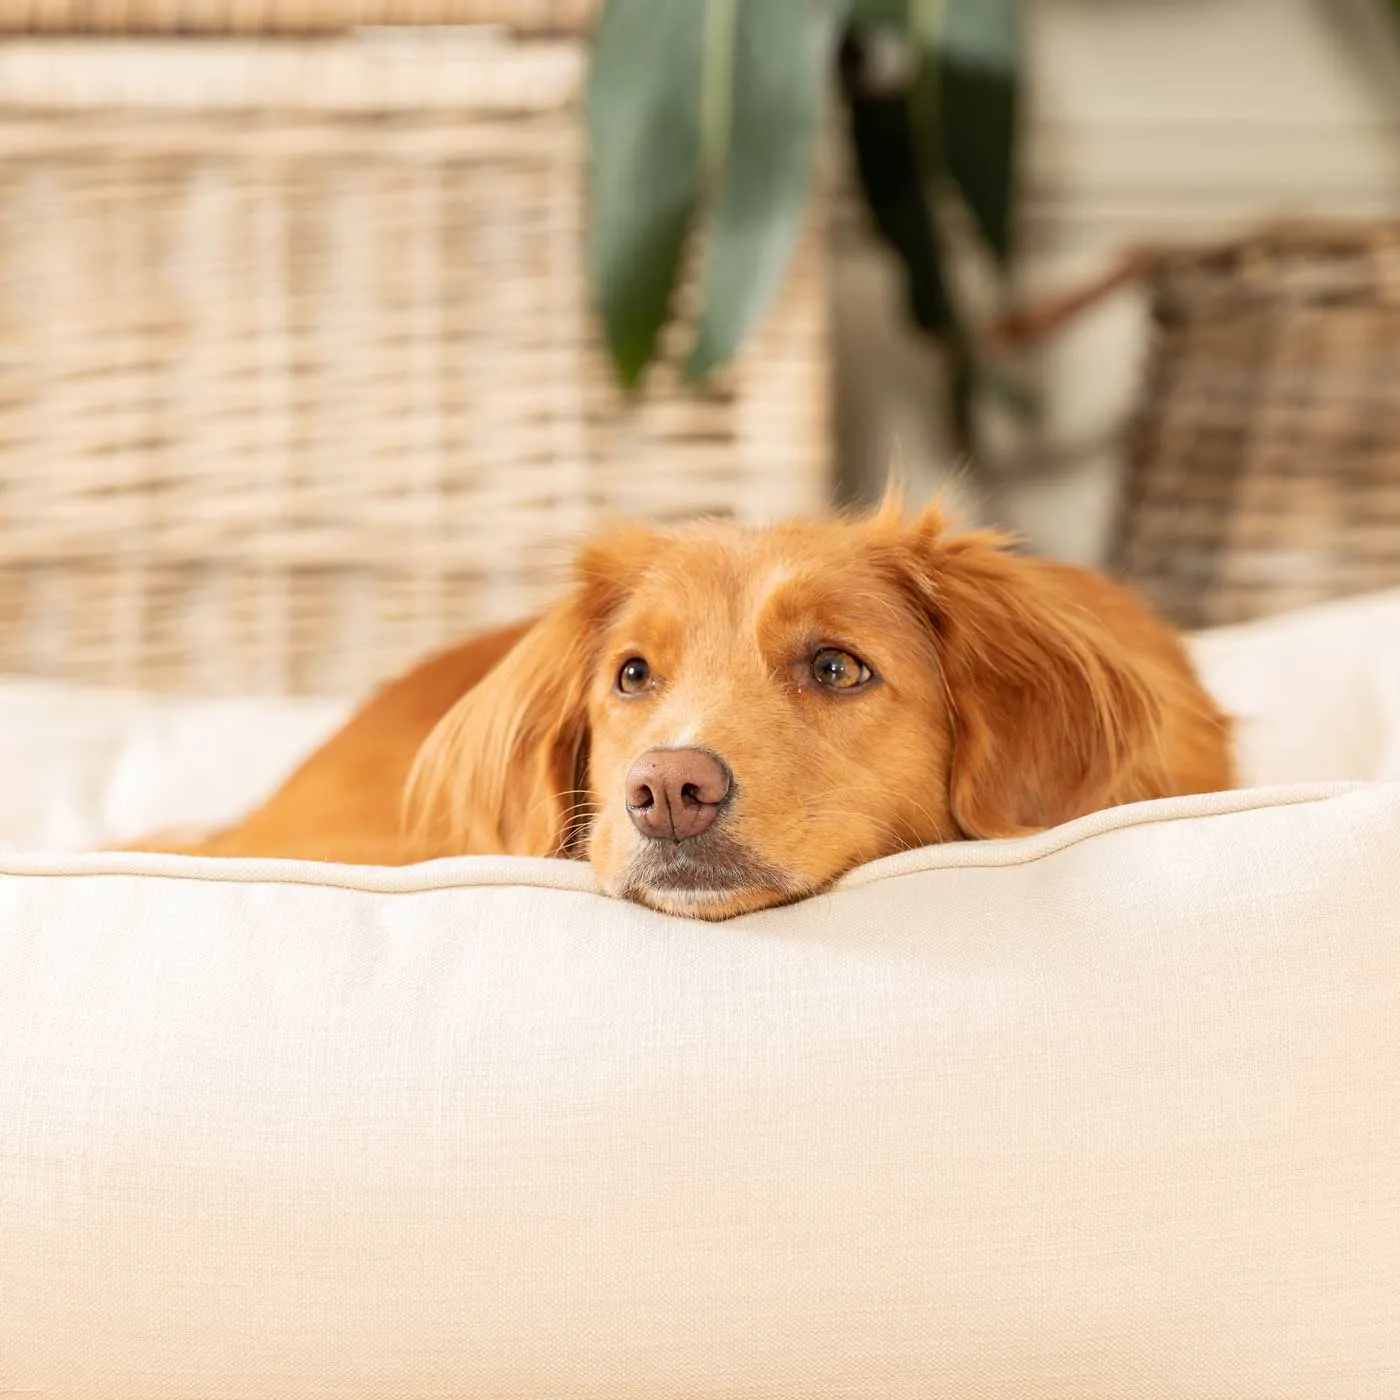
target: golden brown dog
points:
(721, 719)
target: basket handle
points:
(1028, 325)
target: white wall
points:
(1149, 121)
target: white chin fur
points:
(693, 899)
(687, 904)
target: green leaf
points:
(890, 171)
(891, 134)
(891, 14)
(643, 115)
(781, 61)
(979, 98)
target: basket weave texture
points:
(285, 16)
(1265, 465)
(298, 376)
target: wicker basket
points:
(1265, 464)
(298, 377)
(285, 16)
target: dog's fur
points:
(1007, 694)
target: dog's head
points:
(723, 719)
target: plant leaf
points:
(643, 114)
(890, 172)
(781, 62)
(892, 156)
(875, 13)
(979, 98)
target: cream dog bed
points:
(1111, 1111)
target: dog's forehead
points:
(755, 561)
(732, 582)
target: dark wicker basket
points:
(1264, 468)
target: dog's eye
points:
(634, 677)
(838, 670)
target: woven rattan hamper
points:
(298, 375)
(1264, 469)
(285, 16)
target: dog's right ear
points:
(505, 770)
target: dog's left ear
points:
(505, 770)
(1052, 716)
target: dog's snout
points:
(674, 794)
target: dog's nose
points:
(674, 794)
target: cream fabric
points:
(1316, 693)
(1114, 1111)
(1108, 1112)
(82, 766)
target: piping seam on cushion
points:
(574, 877)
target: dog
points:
(722, 719)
